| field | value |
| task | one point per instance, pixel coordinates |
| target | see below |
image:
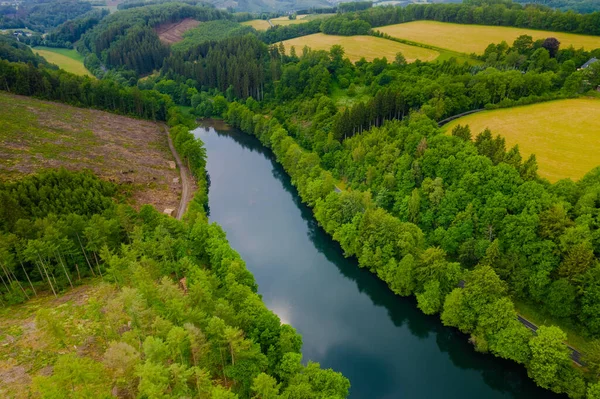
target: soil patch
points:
(173, 32)
(134, 153)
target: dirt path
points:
(185, 179)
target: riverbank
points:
(347, 316)
(395, 252)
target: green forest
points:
(580, 6)
(39, 15)
(459, 221)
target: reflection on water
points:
(349, 319)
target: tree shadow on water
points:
(499, 374)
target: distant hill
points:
(580, 6)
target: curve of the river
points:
(349, 320)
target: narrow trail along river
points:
(349, 320)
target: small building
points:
(169, 211)
(587, 64)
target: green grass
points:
(68, 59)
(562, 134)
(356, 47)
(475, 38)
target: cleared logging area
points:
(173, 32)
(356, 47)
(39, 134)
(475, 38)
(564, 135)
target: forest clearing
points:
(173, 32)
(357, 47)
(452, 36)
(38, 135)
(562, 134)
(33, 350)
(68, 59)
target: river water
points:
(349, 320)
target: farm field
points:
(299, 19)
(263, 24)
(452, 36)
(68, 59)
(258, 24)
(37, 135)
(562, 134)
(356, 47)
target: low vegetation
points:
(299, 19)
(38, 135)
(68, 59)
(211, 30)
(452, 36)
(357, 47)
(173, 32)
(258, 24)
(562, 134)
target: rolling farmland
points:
(258, 24)
(356, 47)
(562, 134)
(68, 59)
(452, 36)
(263, 24)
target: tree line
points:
(480, 12)
(579, 6)
(486, 12)
(242, 62)
(82, 91)
(14, 51)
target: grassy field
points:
(299, 19)
(475, 38)
(258, 24)
(38, 135)
(68, 59)
(564, 135)
(357, 47)
(262, 24)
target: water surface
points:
(349, 320)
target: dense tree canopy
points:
(42, 15)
